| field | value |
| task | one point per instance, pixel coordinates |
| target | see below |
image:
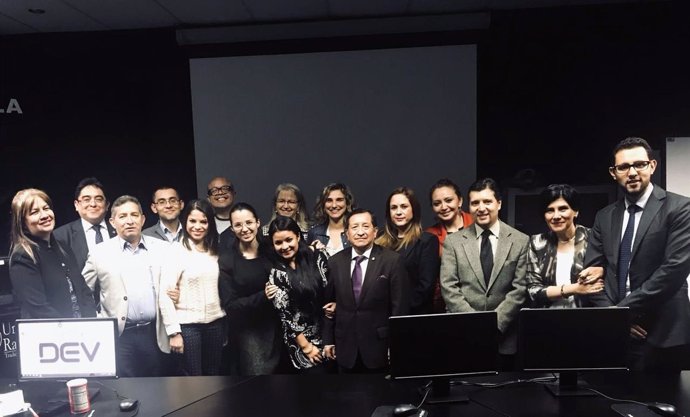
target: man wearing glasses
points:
(166, 203)
(643, 242)
(90, 229)
(221, 195)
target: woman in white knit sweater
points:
(195, 272)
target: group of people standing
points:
(225, 293)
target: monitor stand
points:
(442, 392)
(569, 386)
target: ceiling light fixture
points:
(36, 11)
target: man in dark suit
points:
(166, 203)
(484, 267)
(643, 242)
(90, 229)
(369, 284)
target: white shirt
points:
(138, 279)
(363, 264)
(641, 203)
(172, 237)
(221, 225)
(564, 263)
(493, 238)
(91, 234)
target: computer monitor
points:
(568, 340)
(60, 349)
(5, 284)
(441, 346)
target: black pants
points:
(138, 353)
(203, 347)
(360, 368)
(644, 357)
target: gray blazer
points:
(104, 266)
(462, 280)
(157, 232)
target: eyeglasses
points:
(172, 201)
(288, 202)
(624, 168)
(221, 190)
(87, 199)
(248, 224)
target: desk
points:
(157, 396)
(359, 395)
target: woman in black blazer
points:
(403, 233)
(44, 275)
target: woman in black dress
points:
(44, 275)
(419, 249)
(296, 287)
(254, 326)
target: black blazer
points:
(659, 267)
(363, 327)
(42, 288)
(423, 265)
(72, 235)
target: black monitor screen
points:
(563, 339)
(443, 344)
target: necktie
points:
(357, 277)
(625, 251)
(99, 235)
(486, 256)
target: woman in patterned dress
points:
(295, 285)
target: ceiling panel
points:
(92, 15)
(364, 8)
(272, 10)
(58, 17)
(207, 12)
(126, 14)
(447, 6)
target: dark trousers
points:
(360, 368)
(644, 357)
(138, 353)
(203, 347)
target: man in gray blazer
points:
(129, 270)
(643, 242)
(484, 266)
(166, 203)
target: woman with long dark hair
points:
(296, 286)
(255, 343)
(446, 202)
(198, 311)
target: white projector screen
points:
(677, 160)
(373, 119)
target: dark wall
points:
(557, 88)
(110, 105)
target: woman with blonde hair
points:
(419, 249)
(44, 275)
(288, 201)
